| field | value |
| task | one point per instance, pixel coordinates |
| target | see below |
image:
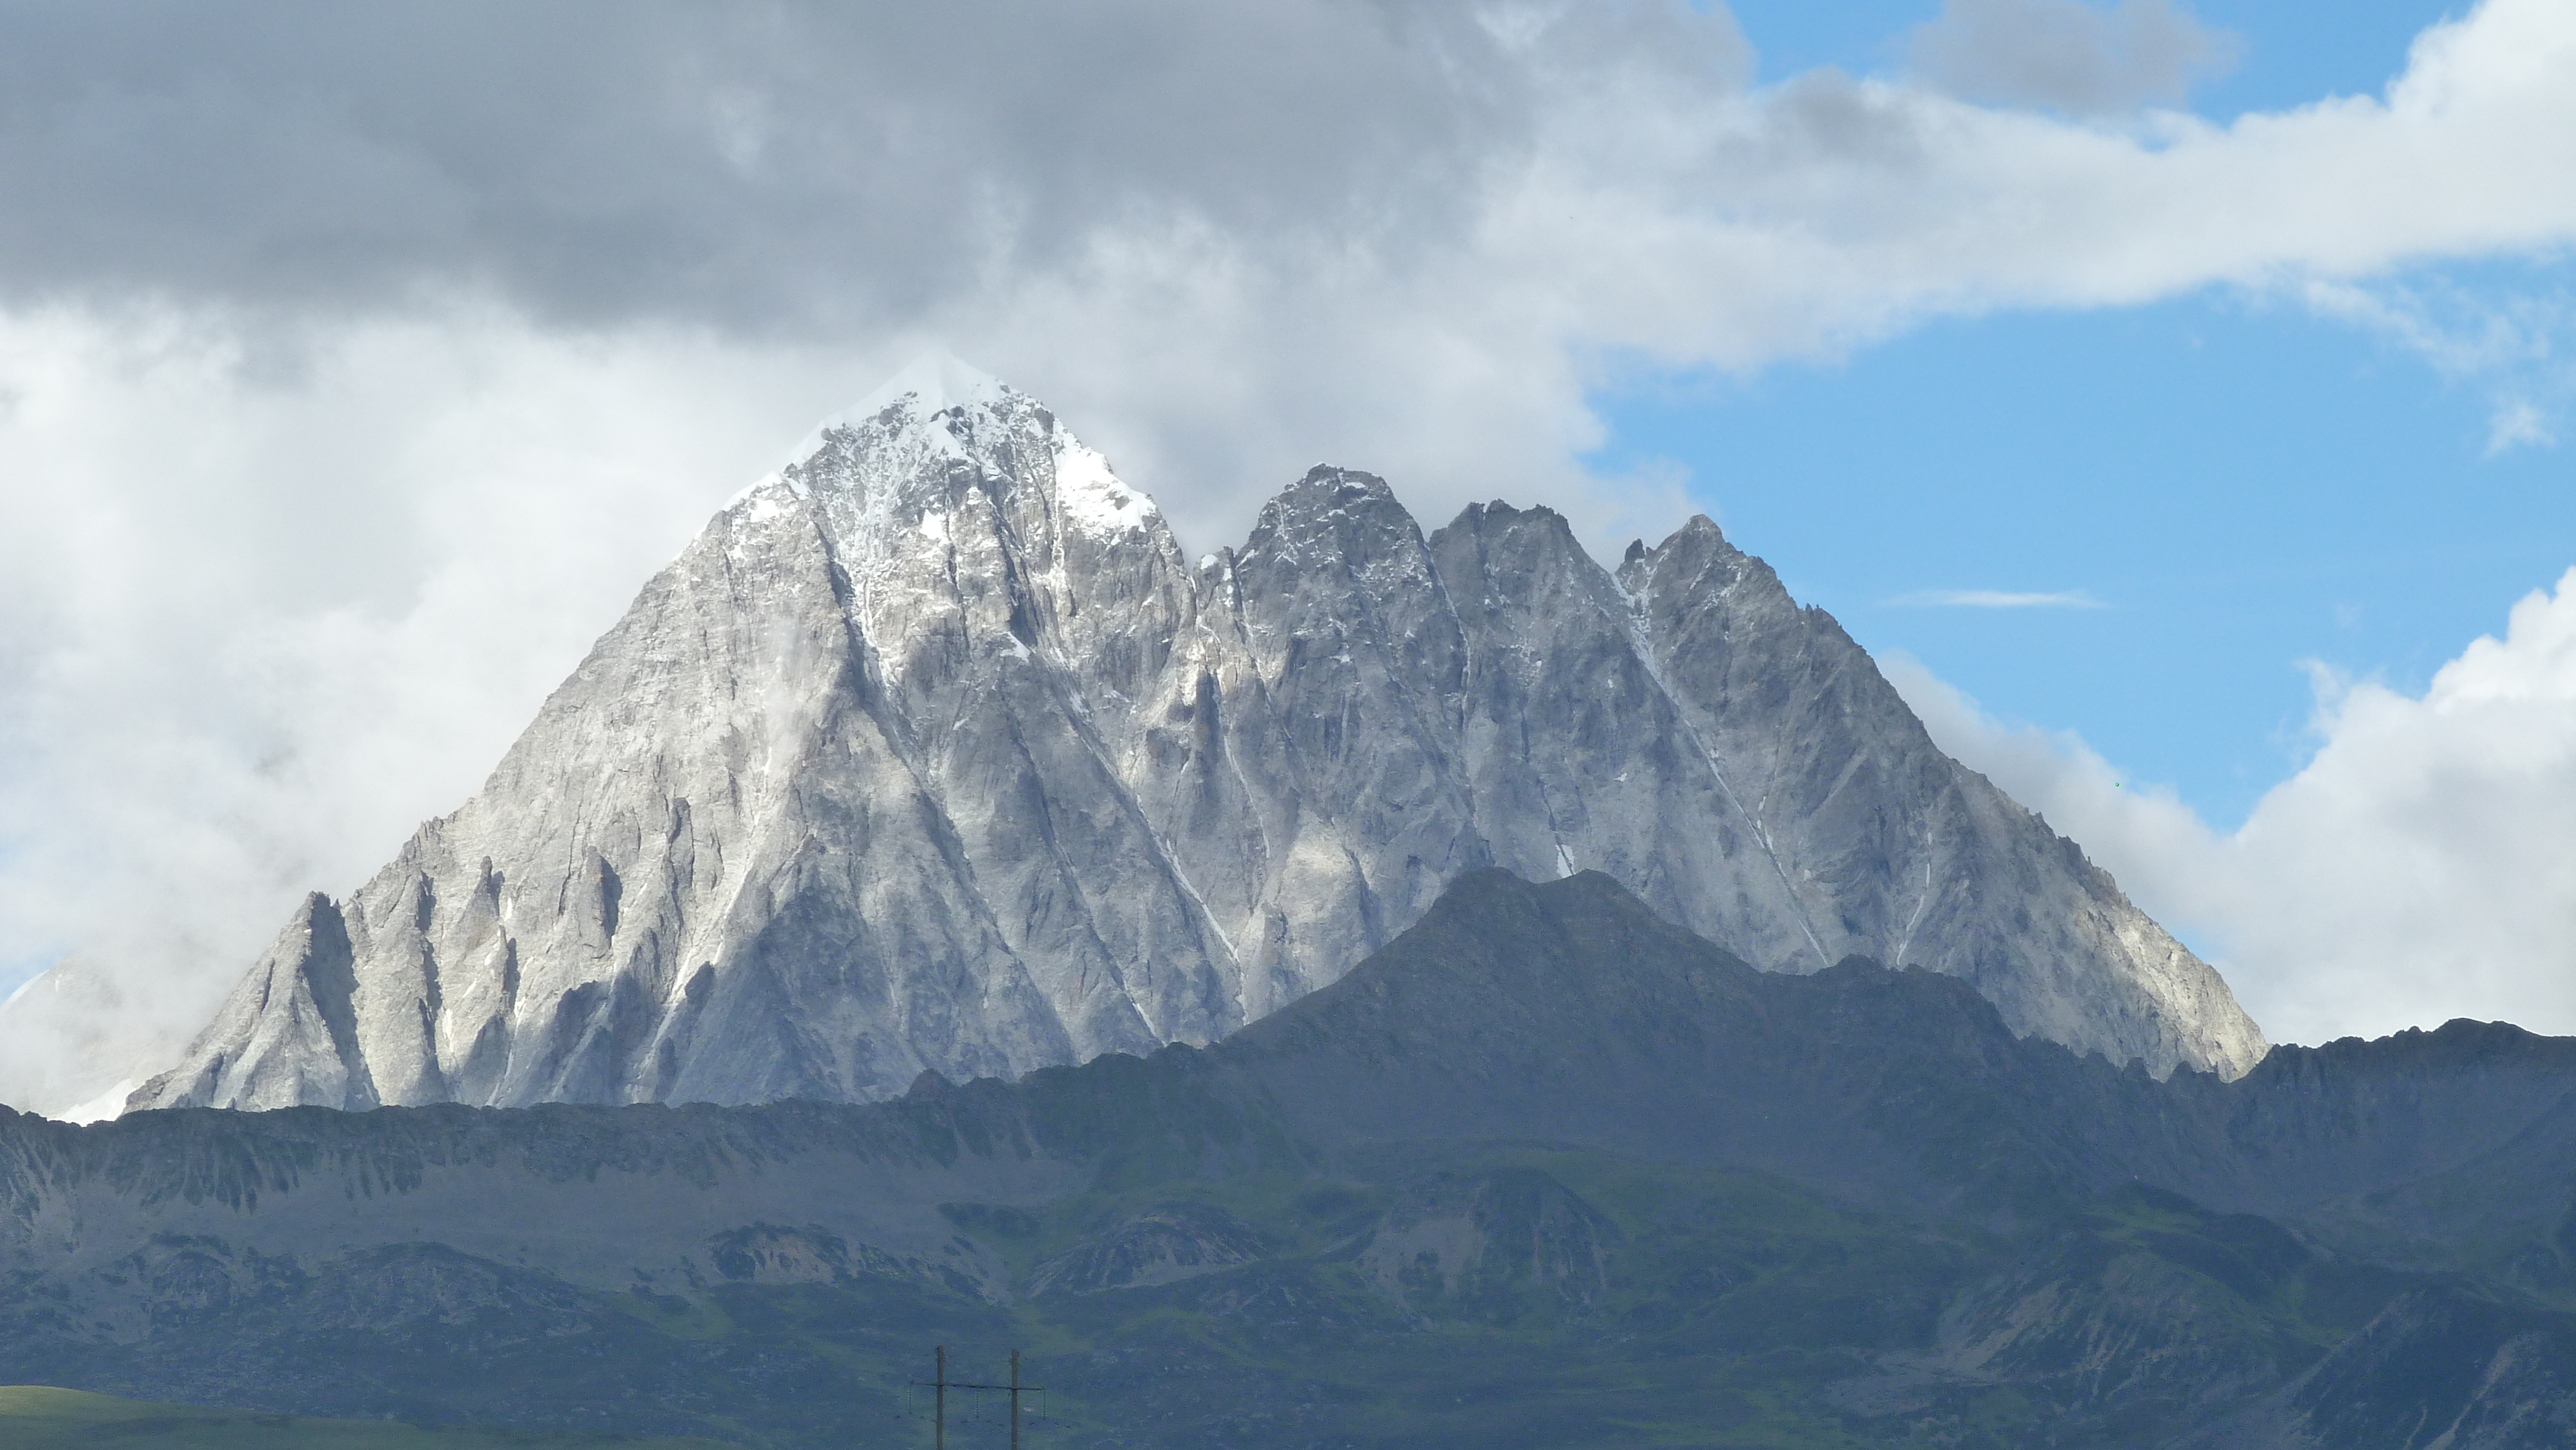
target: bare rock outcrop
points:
(933, 752)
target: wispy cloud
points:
(2512, 340)
(2518, 424)
(1996, 599)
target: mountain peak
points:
(933, 383)
(1340, 513)
(896, 452)
(1327, 492)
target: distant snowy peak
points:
(935, 382)
(940, 422)
(933, 385)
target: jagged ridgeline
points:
(933, 751)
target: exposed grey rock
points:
(291, 1029)
(933, 753)
(1163, 1245)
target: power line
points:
(939, 1384)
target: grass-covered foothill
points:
(1546, 1174)
(37, 1417)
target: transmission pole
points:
(941, 1384)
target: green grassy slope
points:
(1550, 1177)
(35, 1417)
(1499, 1296)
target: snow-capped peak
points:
(935, 382)
(926, 387)
(940, 408)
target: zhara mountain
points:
(933, 752)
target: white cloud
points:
(354, 371)
(2516, 423)
(2415, 870)
(1997, 599)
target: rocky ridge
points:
(933, 752)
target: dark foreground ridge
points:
(1545, 1171)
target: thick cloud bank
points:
(2416, 870)
(356, 362)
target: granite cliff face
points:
(934, 752)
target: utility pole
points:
(940, 1384)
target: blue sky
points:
(2292, 53)
(2242, 485)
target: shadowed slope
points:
(1544, 1148)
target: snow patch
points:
(929, 385)
(936, 381)
(1092, 498)
(107, 1105)
(755, 486)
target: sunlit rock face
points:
(934, 752)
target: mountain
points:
(1545, 1171)
(933, 752)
